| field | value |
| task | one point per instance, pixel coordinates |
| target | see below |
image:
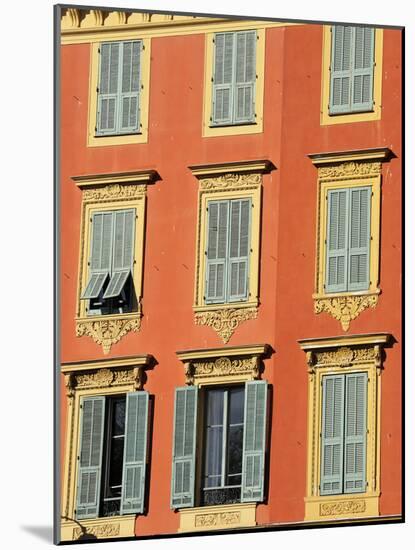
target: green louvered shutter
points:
(245, 76)
(101, 251)
(359, 238)
(108, 94)
(355, 433)
(341, 69)
(123, 251)
(253, 459)
(216, 251)
(223, 78)
(130, 87)
(239, 249)
(90, 457)
(336, 242)
(362, 78)
(184, 447)
(135, 453)
(331, 477)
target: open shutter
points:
(355, 433)
(90, 456)
(363, 67)
(217, 251)
(332, 435)
(108, 97)
(184, 447)
(222, 95)
(100, 258)
(123, 251)
(135, 453)
(130, 87)
(341, 69)
(359, 238)
(253, 460)
(336, 242)
(239, 247)
(245, 76)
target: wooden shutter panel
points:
(340, 69)
(108, 96)
(223, 70)
(253, 459)
(355, 433)
(245, 76)
(332, 435)
(359, 238)
(135, 453)
(184, 447)
(239, 249)
(217, 251)
(363, 67)
(90, 456)
(130, 87)
(123, 251)
(101, 251)
(336, 241)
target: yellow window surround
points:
(235, 180)
(143, 103)
(341, 355)
(339, 170)
(325, 117)
(84, 379)
(105, 192)
(241, 128)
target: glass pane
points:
(235, 438)
(115, 468)
(214, 407)
(236, 405)
(213, 456)
(118, 418)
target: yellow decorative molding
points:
(120, 178)
(364, 155)
(341, 507)
(372, 339)
(345, 308)
(238, 167)
(108, 330)
(225, 321)
(232, 351)
(208, 518)
(130, 361)
(99, 528)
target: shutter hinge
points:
(97, 89)
(142, 46)
(99, 50)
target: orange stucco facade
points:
(291, 131)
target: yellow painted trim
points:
(376, 114)
(136, 360)
(144, 98)
(352, 340)
(377, 153)
(93, 180)
(101, 528)
(238, 167)
(234, 129)
(349, 506)
(210, 518)
(241, 351)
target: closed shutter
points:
(359, 238)
(223, 78)
(184, 447)
(245, 76)
(341, 69)
(108, 97)
(336, 243)
(239, 249)
(135, 453)
(217, 251)
(130, 87)
(355, 433)
(90, 457)
(123, 251)
(362, 80)
(331, 477)
(100, 257)
(253, 460)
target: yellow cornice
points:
(130, 361)
(355, 340)
(378, 153)
(232, 168)
(241, 351)
(94, 180)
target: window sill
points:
(347, 506)
(210, 518)
(98, 528)
(107, 330)
(225, 318)
(236, 129)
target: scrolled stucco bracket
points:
(107, 332)
(225, 321)
(345, 308)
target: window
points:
(110, 288)
(112, 455)
(351, 74)
(232, 442)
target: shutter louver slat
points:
(245, 76)
(108, 88)
(223, 78)
(340, 73)
(101, 250)
(217, 234)
(363, 66)
(239, 249)
(355, 433)
(337, 222)
(130, 87)
(359, 241)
